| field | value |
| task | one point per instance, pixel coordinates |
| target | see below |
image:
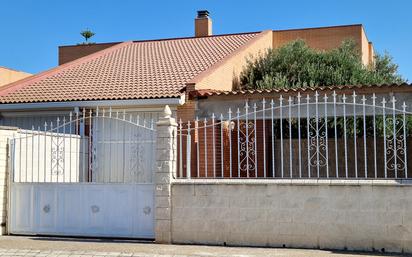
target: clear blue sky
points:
(32, 30)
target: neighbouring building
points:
(8, 75)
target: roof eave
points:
(93, 104)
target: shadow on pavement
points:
(90, 240)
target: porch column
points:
(5, 134)
(166, 153)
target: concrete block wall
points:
(5, 134)
(328, 214)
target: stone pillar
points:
(5, 134)
(166, 153)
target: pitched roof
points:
(129, 70)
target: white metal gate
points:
(89, 174)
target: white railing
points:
(98, 146)
(311, 136)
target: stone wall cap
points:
(167, 122)
(298, 182)
(8, 128)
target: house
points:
(87, 142)
(145, 75)
(8, 75)
(141, 77)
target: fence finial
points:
(167, 112)
(363, 99)
(316, 95)
(393, 100)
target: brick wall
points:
(203, 27)
(326, 38)
(187, 111)
(70, 53)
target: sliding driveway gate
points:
(89, 174)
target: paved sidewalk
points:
(64, 247)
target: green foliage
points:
(379, 125)
(386, 70)
(348, 125)
(87, 34)
(297, 65)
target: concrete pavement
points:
(56, 246)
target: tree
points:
(297, 65)
(87, 34)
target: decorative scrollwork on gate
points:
(317, 142)
(247, 149)
(57, 155)
(136, 156)
(395, 144)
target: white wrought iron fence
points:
(98, 146)
(306, 136)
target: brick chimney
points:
(203, 24)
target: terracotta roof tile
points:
(130, 70)
(211, 92)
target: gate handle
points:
(95, 208)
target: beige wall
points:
(365, 47)
(371, 52)
(224, 75)
(326, 38)
(8, 76)
(5, 134)
(356, 215)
